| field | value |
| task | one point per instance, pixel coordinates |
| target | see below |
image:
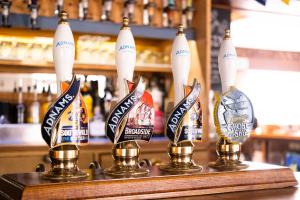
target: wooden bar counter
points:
(98, 150)
(155, 185)
(291, 193)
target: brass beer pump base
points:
(228, 156)
(181, 159)
(126, 161)
(64, 161)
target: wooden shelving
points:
(11, 66)
(104, 28)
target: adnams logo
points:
(64, 43)
(182, 52)
(229, 55)
(126, 47)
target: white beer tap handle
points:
(180, 61)
(227, 60)
(125, 57)
(63, 50)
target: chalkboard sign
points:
(220, 20)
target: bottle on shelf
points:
(28, 90)
(20, 105)
(97, 123)
(83, 7)
(99, 90)
(59, 6)
(129, 10)
(106, 10)
(5, 5)
(164, 14)
(44, 92)
(34, 108)
(168, 12)
(108, 97)
(46, 104)
(148, 12)
(183, 13)
(28, 97)
(187, 13)
(33, 7)
(87, 97)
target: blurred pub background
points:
(265, 33)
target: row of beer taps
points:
(149, 8)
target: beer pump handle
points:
(63, 50)
(227, 60)
(125, 57)
(180, 61)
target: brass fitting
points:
(180, 29)
(228, 156)
(64, 163)
(125, 25)
(227, 34)
(181, 159)
(126, 161)
(63, 17)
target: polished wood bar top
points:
(155, 185)
(290, 193)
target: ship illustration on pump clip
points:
(233, 113)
